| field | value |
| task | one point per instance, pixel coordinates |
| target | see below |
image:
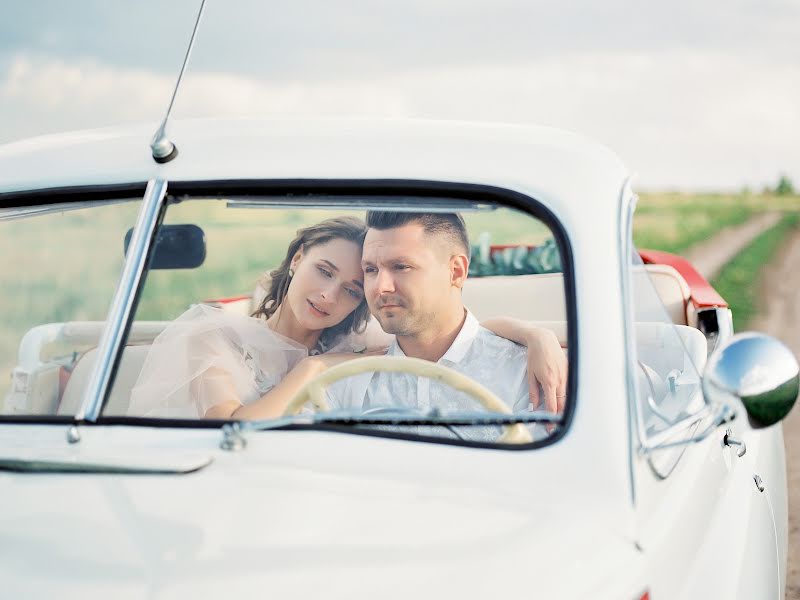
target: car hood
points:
(256, 525)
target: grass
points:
(673, 222)
(738, 281)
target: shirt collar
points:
(458, 349)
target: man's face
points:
(407, 278)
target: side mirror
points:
(176, 247)
(757, 370)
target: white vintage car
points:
(663, 477)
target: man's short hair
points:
(449, 225)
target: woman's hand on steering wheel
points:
(322, 362)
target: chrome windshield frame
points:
(124, 301)
(10, 214)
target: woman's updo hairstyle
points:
(344, 228)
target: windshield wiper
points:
(403, 417)
(234, 440)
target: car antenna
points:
(164, 150)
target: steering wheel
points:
(314, 390)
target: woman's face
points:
(327, 284)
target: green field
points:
(738, 281)
(673, 222)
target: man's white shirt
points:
(495, 362)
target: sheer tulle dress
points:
(207, 356)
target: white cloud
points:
(680, 119)
(45, 93)
(88, 94)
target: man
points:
(415, 266)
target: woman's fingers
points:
(561, 389)
(377, 352)
(533, 389)
(547, 377)
(550, 400)
(547, 366)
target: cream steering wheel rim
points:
(314, 390)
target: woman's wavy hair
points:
(345, 228)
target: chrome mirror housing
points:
(757, 370)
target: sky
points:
(691, 95)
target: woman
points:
(211, 364)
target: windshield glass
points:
(670, 353)
(60, 266)
(247, 300)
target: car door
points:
(706, 528)
(709, 495)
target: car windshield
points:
(248, 299)
(60, 267)
(673, 332)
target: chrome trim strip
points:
(716, 418)
(724, 324)
(147, 466)
(627, 205)
(722, 320)
(122, 304)
(657, 440)
(352, 202)
(10, 214)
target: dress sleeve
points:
(186, 372)
(206, 357)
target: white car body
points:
(587, 516)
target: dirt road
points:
(780, 317)
(710, 256)
(780, 290)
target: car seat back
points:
(127, 373)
